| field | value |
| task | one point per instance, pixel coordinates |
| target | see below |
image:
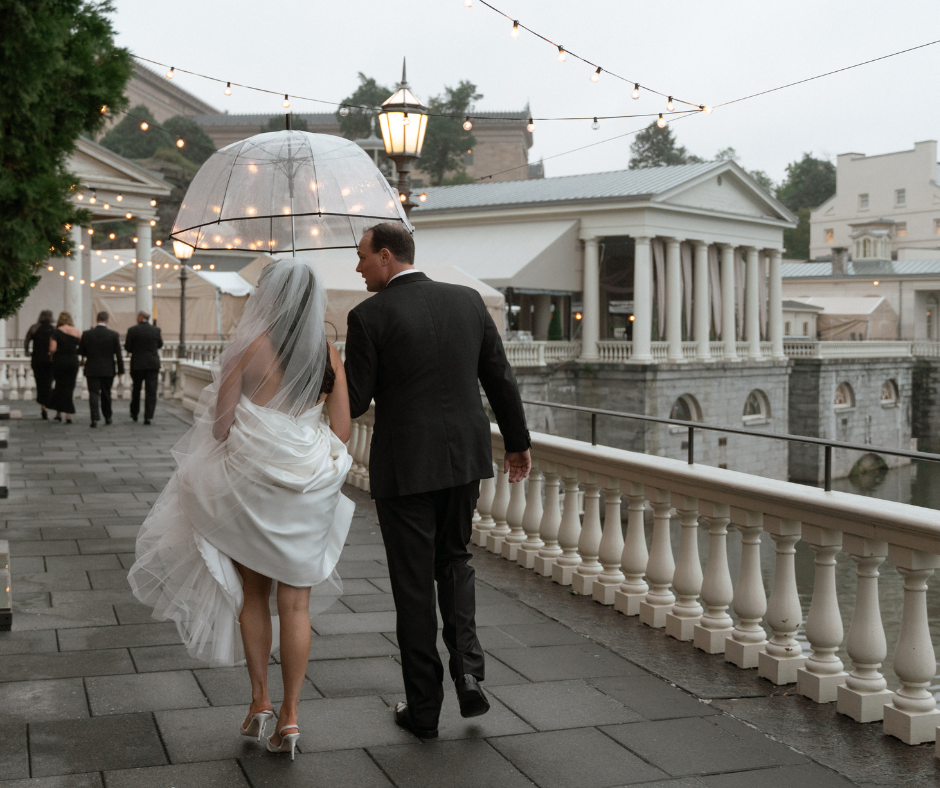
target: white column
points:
(542, 316)
(551, 521)
(717, 592)
(532, 520)
(635, 556)
(73, 276)
(661, 567)
(589, 540)
(912, 714)
(748, 638)
(685, 614)
(642, 301)
(514, 514)
(485, 507)
(570, 530)
(775, 305)
(783, 655)
(701, 303)
(494, 539)
(865, 691)
(673, 301)
(590, 301)
(752, 304)
(144, 271)
(728, 338)
(608, 582)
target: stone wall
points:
(926, 404)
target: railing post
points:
(608, 582)
(827, 486)
(820, 678)
(635, 556)
(551, 521)
(912, 714)
(514, 514)
(661, 567)
(532, 520)
(569, 532)
(717, 592)
(594, 429)
(485, 507)
(783, 656)
(865, 691)
(685, 614)
(748, 638)
(494, 539)
(589, 541)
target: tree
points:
(809, 183)
(278, 123)
(198, 145)
(656, 147)
(357, 124)
(128, 139)
(60, 74)
(445, 139)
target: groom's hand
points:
(517, 464)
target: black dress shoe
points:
(45, 415)
(107, 421)
(147, 422)
(94, 424)
(472, 699)
(134, 417)
(403, 719)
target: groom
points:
(418, 348)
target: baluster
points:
(686, 613)
(28, 382)
(661, 567)
(4, 381)
(865, 691)
(532, 520)
(748, 638)
(717, 591)
(485, 508)
(83, 387)
(551, 522)
(364, 482)
(570, 530)
(912, 714)
(514, 514)
(494, 539)
(783, 655)
(126, 383)
(635, 556)
(820, 678)
(17, 383)
(589, 540)
(352, 447)
(608, 582)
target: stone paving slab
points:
(96, 693)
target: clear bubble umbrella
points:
(286, 191)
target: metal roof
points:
(596, 185)
(864, 268)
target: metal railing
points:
(691, 426)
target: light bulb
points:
(144, 126)
(636, 90)
(596, 75)
(595, 125)
(228, 88)
(514, 33)
(423, 196)
(670, 105)
(707, 110)
(104, 108)
(402, 197)
(153, 203)
(344, 111)
(119, 197)
(159, 243)
(135, 239)
(468, 3)
(180, 143)
(153, 223)
(562, 57)
(169, 74)
(107, 207)
(286, 102)
(91, 230)
(530, 126)
(406, 121)
(661, 122)
(93, 199)
(111, 236)
(128, 216)
(467, 125)
(81, 196)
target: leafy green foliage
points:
(445, 139)
(279, 123)
(555, 333)
(809, 183)
(796, 239)
(128, 139)
(198, 145)
(656, 147)
(58, 69)
(357, 124)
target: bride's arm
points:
(337, 402)
(230, 391)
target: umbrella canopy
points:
(287, 192)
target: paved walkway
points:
(93, 692)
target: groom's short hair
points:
(394, 237)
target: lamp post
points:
(403, 120)
(182, 252)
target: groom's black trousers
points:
(426, 537)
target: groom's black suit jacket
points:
(418, 348)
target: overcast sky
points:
(702, 50)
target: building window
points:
(845, 397)
(756, 408)
(786, 328)
(900, 197)
(686, 408)
(900, 229)
(863, 202)
(830, 236)
(806, 329)
(889, 394)
(468, 158)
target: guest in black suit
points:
(100, 346)
(143, 342)
(39, 335)
(419, 348)
(63, 348)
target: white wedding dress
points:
(267, 497)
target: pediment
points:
(94, 165)
(727, 190)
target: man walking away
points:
(143, 342)
(419, 348)
(100, 346)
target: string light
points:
(180, 143)
(530, 126)
(406, 121)
(144, 126)
(228, 88)
(104, 109)
(670, 105)
(286, 102)
(467, 125)
(153, 203)
(706, 110)
(468, 3)
(111, 236)
(344, 110)
(596, 75)
(107, 207)
(595, 125)
(514, 33)
(119, 198)
(153, 223)
(169, 74)
(94, 197)
(562, 56)
(423, 196)
(81, 196)
(661, 122)
(128, 216)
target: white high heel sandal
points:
(255, 726)
(286, 738)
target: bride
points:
(252, 523)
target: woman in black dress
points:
(39, 335)
(64, 349)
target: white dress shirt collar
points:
(401, 273)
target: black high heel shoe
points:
(45, 415)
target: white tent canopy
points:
(851, 317)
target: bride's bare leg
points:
(293, 608)
(255, 620)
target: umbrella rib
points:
(227, 182)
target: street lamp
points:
(182, 252)
(403, 121)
